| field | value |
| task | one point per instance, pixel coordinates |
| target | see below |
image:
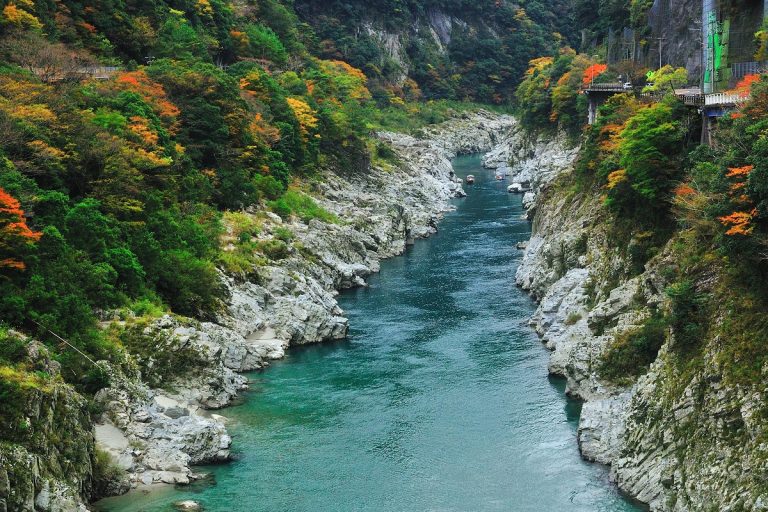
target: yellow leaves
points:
(521, 16)
(44, 151)
(340, 65)
(15, 15)
(347, 81)
(396, 101)
(304, 115)
(539, 65)
(36, 113)
(203, 8)
(616, 178)
(144, 159)
(264, 131)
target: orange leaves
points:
(563, 80)
(741, 172)
(592, 72)
(264, 131)
(140, 127)
(15, 235)
(88, 27)
(740, 222)
(240, 39)
(610, 136)
(744, 87)
(683, 190)
(11, 209)
(150, 91)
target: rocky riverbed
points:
(158, 435)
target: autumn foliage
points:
(744, 86)
(591, 73)
(15, 234)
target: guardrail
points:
(723, 98)
(693, 100)
(607, 88)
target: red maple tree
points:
(592, 72)
(15, 234)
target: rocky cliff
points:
(157, 421)
(681, 437)
(47, 448)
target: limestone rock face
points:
(679, 441)
(46, 450)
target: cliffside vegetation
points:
(663, 191)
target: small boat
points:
(501, 176)
(470, 179)
(519, 188)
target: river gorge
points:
(438, 400)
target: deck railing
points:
(723, 98)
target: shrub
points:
(189, 284)
(572, 318)
(274, 249)
(632, 351)
(687, 316)
(284, 234)
(297, 203)
(12, 348)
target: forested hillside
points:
(123, 181)
(440, 49)
(669, 236)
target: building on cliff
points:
(713, 39)
(728, 30)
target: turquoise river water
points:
(438, 401)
